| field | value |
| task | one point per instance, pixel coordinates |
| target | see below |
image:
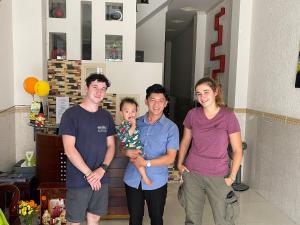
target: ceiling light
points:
(177, 21)
(188, 9)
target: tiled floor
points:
(254, 211)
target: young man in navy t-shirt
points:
(88, 137)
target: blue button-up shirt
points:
(157, 138)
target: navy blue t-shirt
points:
(90, 130)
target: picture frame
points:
(89, 68)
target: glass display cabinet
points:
(57, 9)
(57, 45)
(113, 47)
(114, 11)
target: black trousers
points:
(155, 199)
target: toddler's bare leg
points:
(145, 178)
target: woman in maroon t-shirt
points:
(205, 170)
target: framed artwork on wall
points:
(297, 83)
(89, 68)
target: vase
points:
(29, 220)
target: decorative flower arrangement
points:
(28, 211)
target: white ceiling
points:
(176, 13)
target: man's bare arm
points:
(73, 154)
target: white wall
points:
(137, 77)
(24, 134)
(7, 87)
(7, 122)
(272, 160)
(126, 28)
(200, 43)
(274, 51)
(28, 58)
(71, 25)
(7, 140)
(211, 37)
(6, 56)
(144, 10)
(21, 56)
(239, 53)
(150, 37)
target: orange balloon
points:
(29, 84)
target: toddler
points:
(129, 134)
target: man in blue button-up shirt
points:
(160, 138)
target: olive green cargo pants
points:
(223, 200)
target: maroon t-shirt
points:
(210, 138)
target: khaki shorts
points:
(79, 201)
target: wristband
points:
(104, 166)
(87, 174)
(232, 177)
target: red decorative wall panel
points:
(219, 42)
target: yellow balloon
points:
(42, 88)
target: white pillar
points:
(28, 45)
(200, 46)
(239, 53)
